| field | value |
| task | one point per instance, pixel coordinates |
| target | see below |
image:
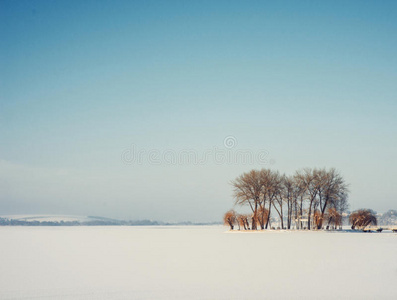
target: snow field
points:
(195, 262)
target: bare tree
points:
(331, 190)
(270, 182)
(334, 217)
(341, 206)
(317, 218)
(247, 190)
(265, 177)
(300, 193)
(278, 204)
(311, 181)
(289, 192)
(263, 214)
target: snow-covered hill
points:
(47, 218)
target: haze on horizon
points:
(83, 84)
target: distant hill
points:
(69, 220)
(388, 218)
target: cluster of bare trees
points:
(310, 198)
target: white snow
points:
(194, 263)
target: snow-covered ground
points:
(194, 263)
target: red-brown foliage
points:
(230, 219)
(362, 218)
(334, 217)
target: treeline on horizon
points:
(101, 222)
(14, 222)
(308, 199)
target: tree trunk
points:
(231, 225)
(254, 217)
(322, 214)
(282, 222)
(253, 223)
(301, 213)
(289, 214)
(268, 216)
(282, 217)
(309, 215)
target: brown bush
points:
(243, 221)
(362, 218)
(334, 217)
(230, 219)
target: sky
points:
(142, 109)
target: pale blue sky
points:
(311, 82)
